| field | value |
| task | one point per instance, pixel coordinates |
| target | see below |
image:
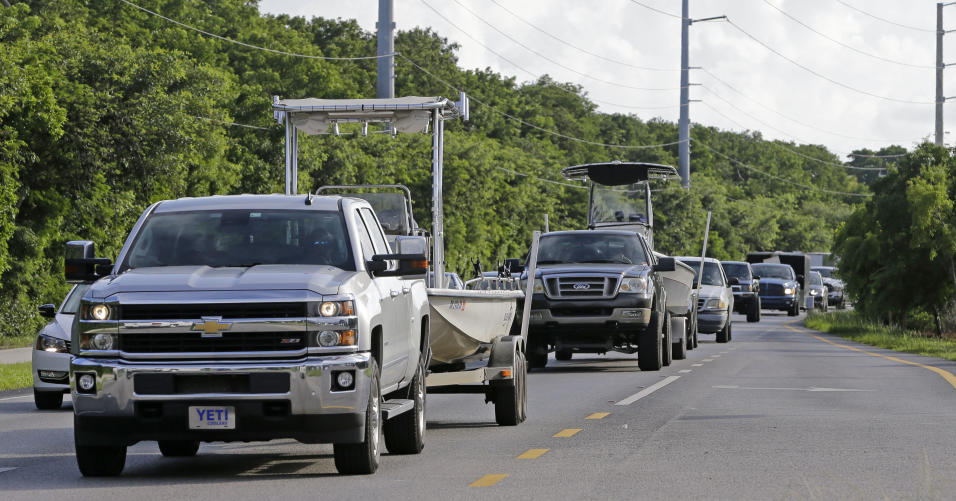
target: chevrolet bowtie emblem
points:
(211, 326)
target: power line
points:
(522, 174)
(585, 51)
(275, 51)
(522, 122)
(818, 74)
(753, 169)
(659, 11)
(861, 11)
(854, 49)
(897, 155)
(529, 49)
(794, 120)
(232, 124)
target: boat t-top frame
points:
(401, 114)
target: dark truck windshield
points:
(591, 247)
(740, 271)
(826, 272)
(242, 238)
(711, 272)
(782, 271)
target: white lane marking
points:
(647, 391)
(707, 360)
(724, 352)
(14, 398)
(8, 468)
(684, 371)
(812, 388)
(715, 356)
(696, 365)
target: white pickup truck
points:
(250, 317)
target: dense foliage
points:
(898, 248)
(105, 108)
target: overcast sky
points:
(881, 79)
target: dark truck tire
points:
(405, 433)
(511, 397)
(98, 461)
(795, 310)
(666, 353)
(537, 350)
(178, 448)
(47, 400)
(753, 310)
(649, 346)
(363, 458)
(723, 335)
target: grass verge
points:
(13, 376)
(16, 341)
(851, 325)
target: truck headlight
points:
(715, 304)
(51, 344)
(101, 341)
(336, 308)
(787, 291)
(328, 339)
(98, 312)
(813, 292)
(634, 285)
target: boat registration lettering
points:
(457, 304)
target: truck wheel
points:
(723, 335)
(97, 461)
(47, 400)
(405, 433)
(649, 346)
(537, 351)
(794, 311)
(510, 395)
(178, 448)
(563, 355)
(352, 459)
(666, 352)
(753, 310)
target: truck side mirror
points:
(734, 281)
(408, 265)
(80, 266)
(411, 245)
(664, 264)
(48, 310)
(800, 278)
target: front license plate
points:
(212, 417)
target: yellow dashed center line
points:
(948, 376)
(567, 432)
(489, 480)
(598, 415)
(533, 454)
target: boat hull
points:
(464, 322)
(679, 284)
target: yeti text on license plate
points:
(211, 417)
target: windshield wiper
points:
(247, 265)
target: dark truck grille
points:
(224, 310)
(188, 384)
(771, 289)
(193, 342)
(582, 287)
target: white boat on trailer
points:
(465, 325)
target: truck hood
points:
(779, 281)
(557, 269)
(318, 279)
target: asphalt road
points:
(777, 413)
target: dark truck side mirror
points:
(408, 265)
(734, 281)
(80, 266)
(47, 310)
(664, 264)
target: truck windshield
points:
(591, 247)
(712, 274)
(739, 271)
(242, 238)
(783, 271)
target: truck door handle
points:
(393, 293)
(405, 290)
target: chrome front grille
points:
(582, 287)
(225, 310)
(193, 342)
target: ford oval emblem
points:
(581, 286)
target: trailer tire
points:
(511, 398)
(405, 433)
(679, 349)
(666, 353)
(363, 458)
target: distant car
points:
(51, 352)
(746, 289)
(716, 299)
(818, 291)
(835, 297)
(779, 287)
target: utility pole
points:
(683, 123)
(939, 74)
(386, 46)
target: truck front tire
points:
(363, 458)
(405, 433)
(98, 461)
(537, 351)
(753, 310)
(649, 346)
